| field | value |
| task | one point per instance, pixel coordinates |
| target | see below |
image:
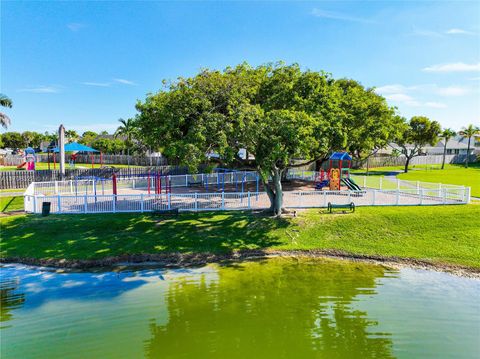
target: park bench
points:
(350, 206)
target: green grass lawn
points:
(44, 166)
(447, 234)
(452, 174)
(11, 203)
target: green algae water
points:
(275, 308)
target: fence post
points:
(398, 183)
(196, 201)
(421, 196)
(397, 201)
(467, 190)
(142, 205)
(444, 196)
(186, 180)
(248, 195)
(418, 187)
(324, 198)
(85, 209)
(59, 201)
(114, 200)
(34, 204)
(223, 200)
(364, 181)
(381, 182)
(374, 195)
(56, 187)
(71, 186)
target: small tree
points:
(415, 135)
(446, 134)
(469, 132)
(129, 130)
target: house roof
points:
(452, 144)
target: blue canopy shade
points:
(340, 156)
(76, 147)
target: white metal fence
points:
(95, 196)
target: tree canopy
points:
(280, 114)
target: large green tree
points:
(415, 135)
(368, 121)
(13, 140)
(283, 116)
(469, 132)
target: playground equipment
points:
(30, 159)
(238, 178)
(74, 148)
(337, 173)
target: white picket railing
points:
(95, 195)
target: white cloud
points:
(453, 67)
(451, 91)
(435, 104)
(338, 16)
(41, 89)
(125, 82)
(75, 26)
(458, 32)
(97, 84)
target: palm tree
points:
(447, 134)
(127, 129)
(5, 102)
(469, 132)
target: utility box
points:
(46, 208)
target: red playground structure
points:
(337, 173)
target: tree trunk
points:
(444, 154)
(468, 153)
(275, 192)
(407, 162)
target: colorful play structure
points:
(29, 160)
(338, 173)
(74, 148)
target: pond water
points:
(275, 308)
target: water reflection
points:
(10, 299)
(275, 308)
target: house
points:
(454, 147)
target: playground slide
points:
(21, 165)
(351, 184)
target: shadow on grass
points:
(98, 236)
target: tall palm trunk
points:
(468, 152)
(444, 154)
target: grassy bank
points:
(11, 203)
(443, 234)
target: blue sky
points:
(85, 64)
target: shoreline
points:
(177, 259)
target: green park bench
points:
(344, 207)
